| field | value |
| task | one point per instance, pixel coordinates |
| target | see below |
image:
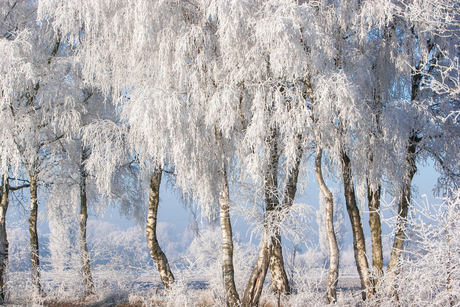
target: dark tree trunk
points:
(3, 237)
(157, 254)
(34, 248)
(376, 232)
(403, 208)
(86, 264)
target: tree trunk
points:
(157, 254)
(279, 279)
(3, 237)
(359, 244)
(86, 265)
(270, 250)
(403, 208)
(276, 255)
(227, 242)
(376, 232)
(257, 278)
(331, 294)
(34, 249)
(278, 276)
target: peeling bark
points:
(157, 254)
(86, 265)
(34, 248)
(333, 276)
(3, 237)
(359, 244)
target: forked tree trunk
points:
(276, 255)
(228, 273)
(257, 278)
(376, 232)
(279, 279)
(270, 248)
(34, 248)
(359, 244)
(167, 278)
(332, 279)
(403, 208)
(86, 265)
(3, 237)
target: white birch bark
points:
(158, 256)
(333, 276)
(34, 248)
(359, 244)
(3, 236)
(227, 242)
(376, 233)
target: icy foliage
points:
(107, 91)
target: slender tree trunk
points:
(157, 254)
(403, 208)
(359, 244)
(3, 237)
(376, 231)
(228, 272)
(34, 248)
(331, 294)
(227, 242)
(86, 265)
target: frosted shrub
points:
(18, 276)
(204, 266)
(429, 270)
(120, 260)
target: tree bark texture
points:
(333, 276)
(86, 265)
(270, 250)
(288, 200)
(403, 208)
(257, 278)
(157, 254)
(359, 244)
(4, 201)
(34, 248)
(228, 272)
(280, 281)
(376, 232)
